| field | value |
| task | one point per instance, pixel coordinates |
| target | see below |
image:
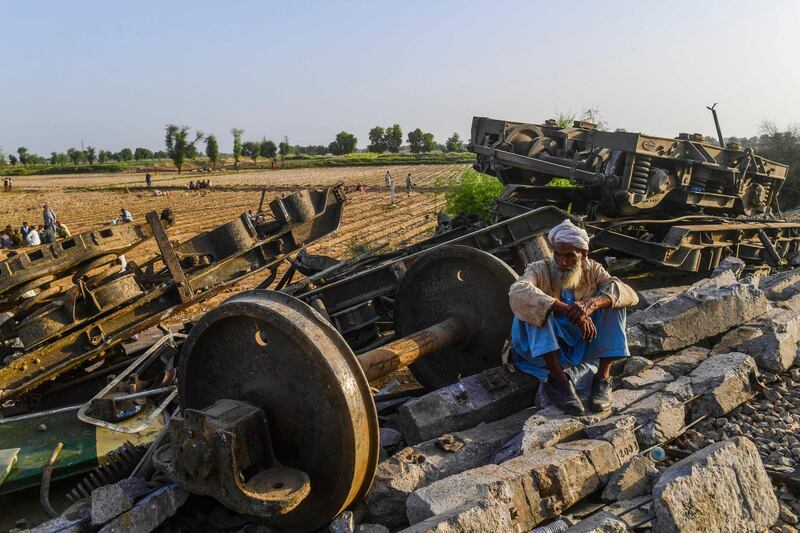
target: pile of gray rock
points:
(480, 457)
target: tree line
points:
(89, 155)
(181, 145)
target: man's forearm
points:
(601, 301)
(559, 307)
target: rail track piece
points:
(269, 358)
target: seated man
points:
(569, 311)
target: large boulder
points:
(721, 488)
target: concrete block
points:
(492, 483)
(636, 364)
(150, 512)
(684, 361)
(600, 453)
(634, 479)
(420, 465)
(648, 297)
(730, 263)
(722, 488)
(538, 433)
(660, 417)
(725, 381)
(782, 285)
(558, 477)
(110, 501)
(646, 378)
(624, 443)
(626, 422)
(771, 339)
(703, 311)
(490, 395)
(471, 517)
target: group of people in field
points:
(8, 184)
(49, 231)
(389, 181)
(199, 184)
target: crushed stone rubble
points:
(702, 436)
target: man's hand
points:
(579, 310)
(588, 329)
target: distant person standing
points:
(409, 185)
(387, 178)
(49, 216)
(148, 179)
(391, 193)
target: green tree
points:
(284, 148)
(345, 143)
(428, 142)
(454, 144)
(12, 159)
(377, 140)
(126, 154)
(393, 138)
(140, 154)
(3, 160)
(91, 155)
(267, 149)
(23, 155)
(783, 146)
(237, 146)
(212, 150)
(75, 156)
(177, 142)
(252, 150)
(415, 141)
(104, 156)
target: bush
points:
(473, 193)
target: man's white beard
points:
(564, 279)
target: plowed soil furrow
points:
(89, 202)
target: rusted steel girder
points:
(211, 261)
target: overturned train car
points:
(679, 202)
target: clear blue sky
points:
(113, 73)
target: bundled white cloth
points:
(569, 233)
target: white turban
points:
(569, 233)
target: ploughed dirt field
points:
(86, 202)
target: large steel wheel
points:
(277, 353)
(426, 296)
